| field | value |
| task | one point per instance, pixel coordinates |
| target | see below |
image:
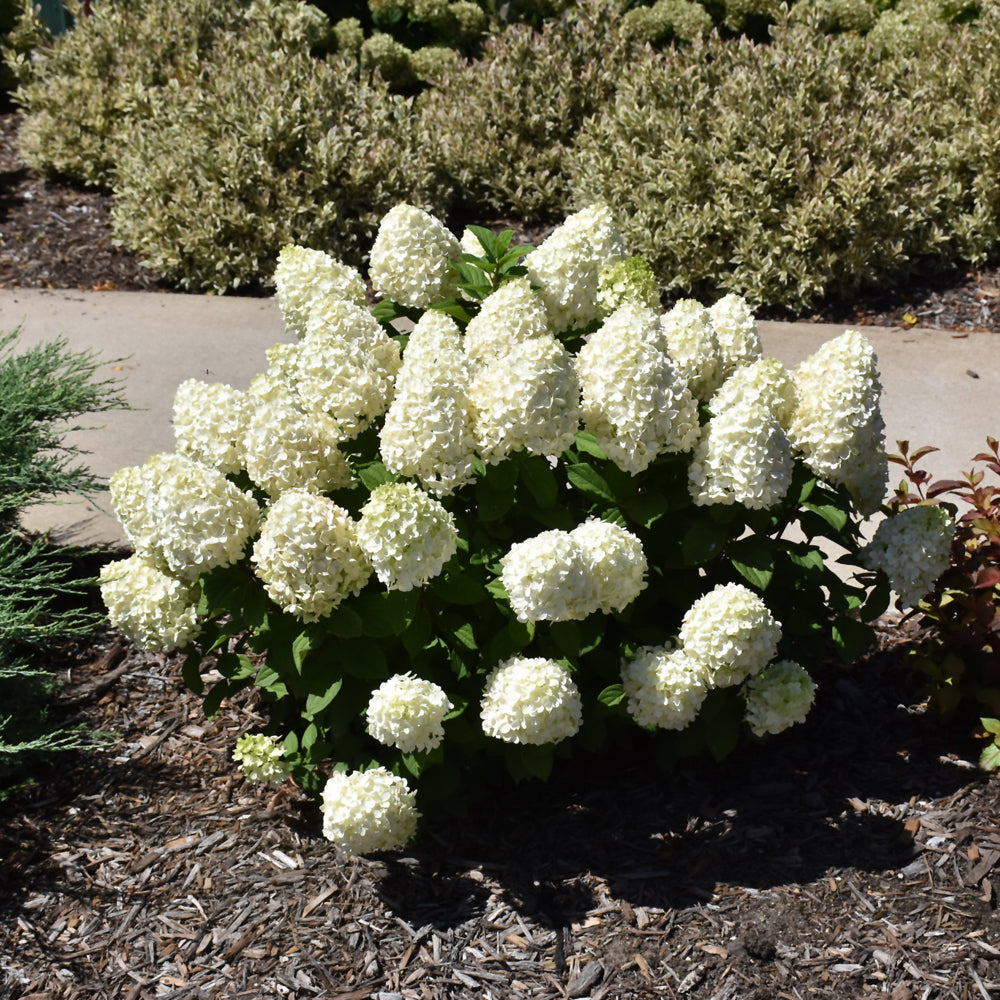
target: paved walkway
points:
(939, 388)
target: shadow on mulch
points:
(785, 811)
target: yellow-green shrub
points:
(810, 166)
(500, 126)
(265, 149)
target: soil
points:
(855, 856)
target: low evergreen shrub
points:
(265, 148)
(43, 601)
(811, 166)
(500, 126)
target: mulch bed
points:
(851, 857)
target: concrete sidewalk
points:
(939, 388)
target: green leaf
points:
(834, 516)
(456, 586)
(989, 759)
(508, 641)
(702, 542)
(316, 701)
(344, 622)
(362, 658)
(851, 638)
(647, 508)
(269, 680)
(753, 559)
(587, 443)
(458, 309)
(302, 645)
(487, 240)
(589, 481)
(236, 666)
(375, 474)
(213, 700)
(191, 673)
(991, 726)
(387, 612)
(538, 476)
(613, 694)
(466, 635)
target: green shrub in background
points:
(500, 126)
(82, 90)
(42, 602)
(264, 149)
(810, 166)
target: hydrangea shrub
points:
(511, 513)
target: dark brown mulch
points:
(855, 856)
(56, 235)
(851, 857)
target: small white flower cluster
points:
(408, 713)
(634, 401)
(742, 456)
(569, 575)
(530, 700)
(731, 633)
(837, 425)
(765, 382)
(736, 335)
(630, 280)
(307, 555)
(526, 400)
(665, 686)
(286, 447)
(210, 422)
(183, 515)
(507, 317)
(411, 257)
(689, 339)
(346, 366)
(406, 535)
(428, 429)
(567, 266)
(778, 697)
(152, 609)
(303, 276)
(261, 758)
(913, 548)
(365, 811)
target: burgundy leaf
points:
(945, 486)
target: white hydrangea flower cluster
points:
(766, 382)
(407, 712)
(690, 341)
(743, 456)
(302, 276)
(569, 575)
(778, 697)
(183, 514)
(286, 447)
(837, 425)
(567, 266)
(634, 400)
(665, 686)
(507, 317)
(406, 535)
(152, 609)
(912, 548)
(731, 633)
(428, 430)
(527, 400)
(737, 337)
(308, 556)
(210, 422)
(262, 758)
(411, 257)
(530, 700)
(365, 811)
(346, 367)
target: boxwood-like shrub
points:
(500, 125)
(812, 165)
(80, 91)
(265, 148)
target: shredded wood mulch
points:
(855, 856)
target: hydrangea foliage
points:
(509, 513)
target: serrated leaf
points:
(754, 561)
(991, 726)
(613, 694)
(375, 474)
(487, 240)
(834, 516)
(587, 443)
(589, 481)
(989, 759)
(316, 701)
